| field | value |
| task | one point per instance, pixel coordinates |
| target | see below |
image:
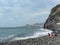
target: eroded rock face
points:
(53, 21)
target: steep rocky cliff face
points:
(53, 21)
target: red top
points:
(48, 34)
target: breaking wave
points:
(34, 35)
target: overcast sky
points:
(22, 12)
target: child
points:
(49, 34)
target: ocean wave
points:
(4, 39)
(8, 37)
(45, 32)
(35, 35)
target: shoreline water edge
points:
(36, 38)
(44, 40)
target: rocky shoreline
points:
(52, 23)
(45, 40)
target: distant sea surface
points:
(21, 33)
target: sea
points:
(21, 33)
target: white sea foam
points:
(38, 33)
(7, 37)
(35, 35)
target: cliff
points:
(53, 21)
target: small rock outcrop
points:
(53, 21)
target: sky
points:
(21, 12)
